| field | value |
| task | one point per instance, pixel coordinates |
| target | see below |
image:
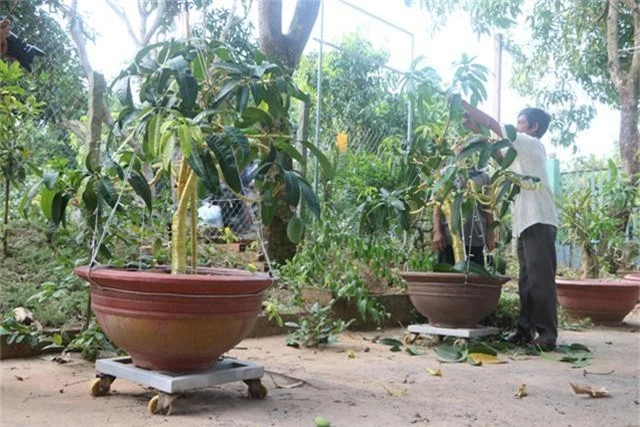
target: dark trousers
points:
(536, 284)
(475, 252)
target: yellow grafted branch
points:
(186, 185)
(456, 241)
(194, 229)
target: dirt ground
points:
(377, 387)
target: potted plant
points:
(595, 222)
(197, 103)
(438, 161)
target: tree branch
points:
(270, 26)
(78, 39)
(634, 71)
(156, 22)
(612, 44)
(300, 28)
(230, 20)
(123, 16)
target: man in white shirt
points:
(534, 225)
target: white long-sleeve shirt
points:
(535, 206)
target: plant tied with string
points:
(212, 114)
(445, 153)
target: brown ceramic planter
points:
(175, 322)
(608, 300)
(447, 301)
(633, 276)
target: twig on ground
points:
(585, 372)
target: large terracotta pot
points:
(175, 322)
(448, 300)
(602, 300)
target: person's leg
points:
(476, 254)
(446, 256)
(540, 257)
(524, 323)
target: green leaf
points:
(226, 160)
(485, 155)
(288, 148)
(141, 187)
(473, 145)
(46, 202)
(449, 354)
(49, 179)
(501, 145)
(27, 199)
(237, 140)
(242, 98)
(310, 198)
(57, 339)
(579, 347)
(391, 342)
(295, 229)
(511, 132)
(225, 90)
(56, 208)
(167, 151)
(323, 161)
(481, 347)
(253, 115)
(395, 348)
(188, 87)
(292, 187)
(123, 92)
(152, 135)
(203, 166)
(509, 157)
(415, 351)
(184, 138)
(107, 191)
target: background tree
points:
(285, 48)
(17, 108)
(573, 47)
(362, 94)
(57, 79)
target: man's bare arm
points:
(476, 116)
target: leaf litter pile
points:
(478, 353)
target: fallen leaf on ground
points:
(64, 358)
(435, 372)
(486, 358)
(351, 354)
(395, 393)
(589, 390)
(522, 391)
(292, 385)
(19, 378)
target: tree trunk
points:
(287, 49)
(5, 218)
(629, 138)
(96, 114)
(279, 247)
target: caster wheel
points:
(161, 404)
(101, 386)
(256, 390)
